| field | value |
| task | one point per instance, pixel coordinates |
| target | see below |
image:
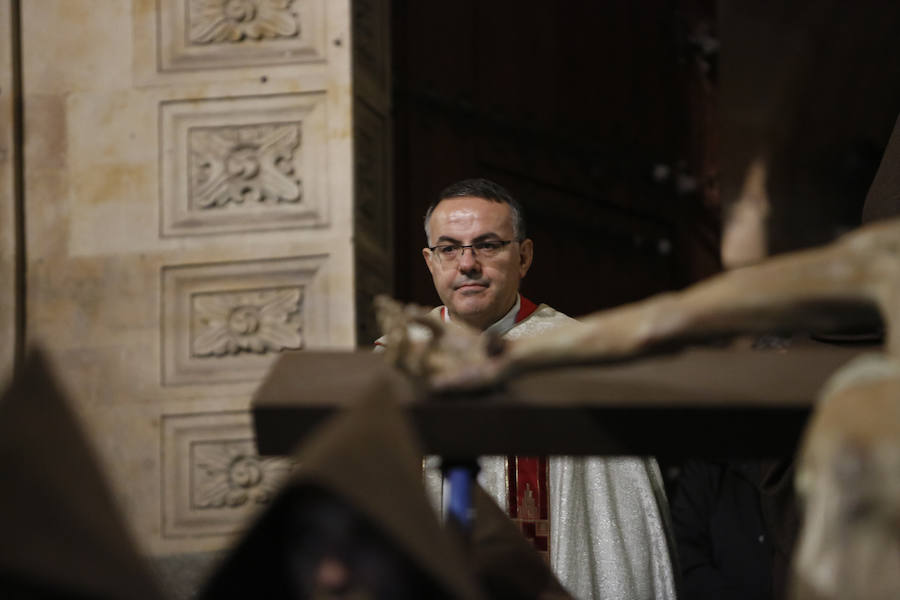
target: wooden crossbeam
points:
(699, 402)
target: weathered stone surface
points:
(190, 215)
(7, 199)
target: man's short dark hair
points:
(486, 190)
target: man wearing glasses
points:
(599, 520)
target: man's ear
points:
(428, 255)
(526, 254)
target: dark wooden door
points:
(593, 114)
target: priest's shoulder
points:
(548, 313)
(542, 319)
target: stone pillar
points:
(8, 230)
(206, 186)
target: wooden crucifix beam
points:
(700, 402)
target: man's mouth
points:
(470, 286)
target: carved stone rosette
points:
(214, 480)
(199, 35)
(230, 474)
(257, 321)
(243, 164)
(226, 322)
(233, 165)
(230, 21)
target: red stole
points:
(527, 480)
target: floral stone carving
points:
(229, 474)
(229, 21)
(252, 163)
(254, 321)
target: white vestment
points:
(609, 523)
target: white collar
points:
(504, 324)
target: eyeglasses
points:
(484, 250)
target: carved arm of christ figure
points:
(811, 289)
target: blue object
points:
(460, 506)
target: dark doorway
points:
(596, 115)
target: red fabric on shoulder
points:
(526, 307)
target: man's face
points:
(476, 290)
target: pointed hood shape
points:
(63, 535)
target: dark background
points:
(588, 112)
(617, 123)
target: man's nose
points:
(467, 260)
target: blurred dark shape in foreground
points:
(63, 535)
